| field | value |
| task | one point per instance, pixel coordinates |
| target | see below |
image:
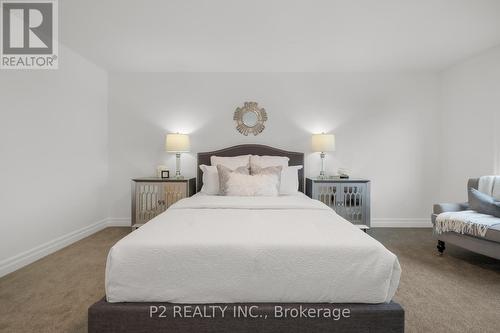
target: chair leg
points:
(440, 247)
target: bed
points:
(257, 258)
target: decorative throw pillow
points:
(288, 178)
(252, 185)
(272, 170)
(225, 172)
(483, 203)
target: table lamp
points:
(177, 143)
(323, 143)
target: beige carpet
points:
(459, 292)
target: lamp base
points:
(178, 166)
(322, 172)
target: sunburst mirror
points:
(250, 118)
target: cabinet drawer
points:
(149, 201)
(152, 196)
(350, 199)
(328, 193)
(353, 202)
(174, 192)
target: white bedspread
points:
(214, 249)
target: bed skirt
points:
(104, 317)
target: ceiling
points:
(278, 35)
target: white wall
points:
(53, 152)
(470, 131)
(386, 127)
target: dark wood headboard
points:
(296, 158)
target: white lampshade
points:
(323, 142)
(177, 143)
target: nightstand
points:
(350, 198)
(152, 196)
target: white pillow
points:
(268, 161)
(230, 162)
(257, 185)
(290, 180)
(210, 180)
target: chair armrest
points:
(450, 207)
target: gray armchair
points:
(489, 245)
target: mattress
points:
(216, 249)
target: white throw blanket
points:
(465, 222)
(471, 222)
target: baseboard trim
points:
(119, 222)
(401, 223)
(25, 258)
